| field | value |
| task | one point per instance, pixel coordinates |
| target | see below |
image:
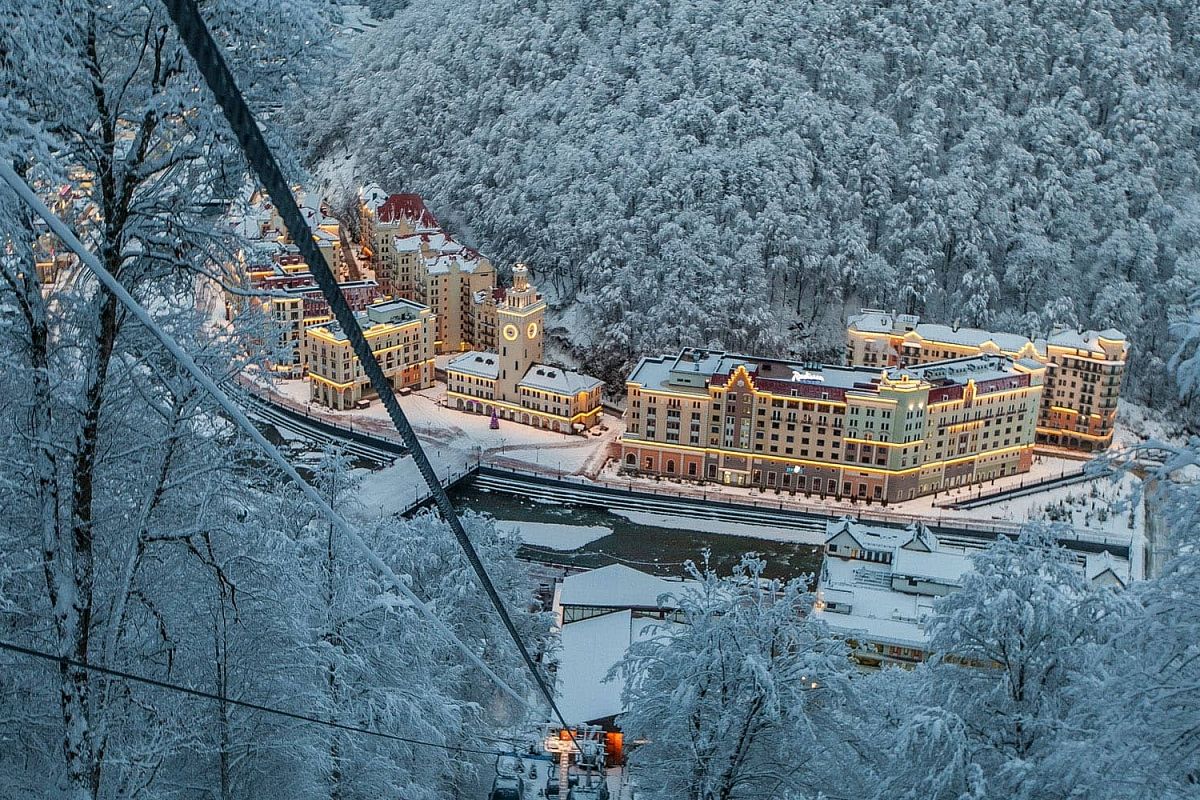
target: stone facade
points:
(869, 433)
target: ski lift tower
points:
(584, 742)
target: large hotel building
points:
(400, 333)
(1083, 377)
(873, 433)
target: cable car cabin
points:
(508, 787)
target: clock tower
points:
(519, 324)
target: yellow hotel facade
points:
(400, 333)
(1083, 378)
(869, 433)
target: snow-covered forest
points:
(742, 172)
(139, 531)
(1087, 692)
(683, 172)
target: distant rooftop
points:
(870, 320)
(392, 312)
(693, 370)
(406, 206)
(619, 586)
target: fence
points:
(990, 528)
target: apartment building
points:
(400, 333)
(1083, 379)
(513, 383)
(260, 220)
(868, 433)
(415, 259)
(877, 585)
(302, 306)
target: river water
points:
(558, 533)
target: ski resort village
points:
(889, 472)
(675, 400)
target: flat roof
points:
(619, 586)
(590, 648)
(691, 372)
(393, 312)
(972, 337)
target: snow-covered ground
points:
(1078, 504)
(458, 438)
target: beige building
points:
(415, 259)
(298, 304)
(400, 333)
(513, 383)
(877, 434)
(1083, 381)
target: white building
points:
(600, 613)
(878, 585)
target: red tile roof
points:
(407, 206)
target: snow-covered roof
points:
(939, 566)
(873, 320)
(372, 196)
(871, 537)
(958, 371)
(559, 381)
(393, 312)
(619, 586)
(972, 337)
(473, 362)
(866, 602)
(1085, 340)
(1101, 567)
(590, 648)
(445, 264)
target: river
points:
(591, 537)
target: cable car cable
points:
(196, 37)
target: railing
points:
(276, 399)
(892, 519)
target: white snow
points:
(555, 535)
(620, 586)
(721, 527)
(461, 438)
(590, 648)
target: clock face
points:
(531, 331)
(510, 332)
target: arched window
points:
(670, 465)
(631, 459)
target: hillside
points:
(739, 173)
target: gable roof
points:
(407, 206)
